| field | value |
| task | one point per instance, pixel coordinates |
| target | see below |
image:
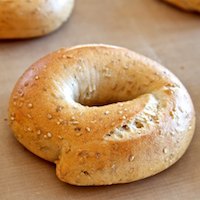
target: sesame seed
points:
(176, 129)
(124, 117)
(75, 106)
(60, 121)
(113, 123)
(64, 56)
(125, 66)
(165, 150)
(49, 135)
(120, 112)
(14, 103)
(36, 77)
(73, 118)
(12, 118)
(29, 129)
(97, 154)
(125, 109)
(13, 114)
(78, 134)
(60, 137)
(106, 72)
(166, 159)
(21, 104)
(30, 105)
(74, 122)
(113, 166)
(106, 112)
(79, 68)
(131, 158)
(181, 109)
(38, 132)
(88, 129)
(49, 116)
(21, 94)
(29, 116)
(172, 133)
(131, 170)
(45, 136)
(59, 108)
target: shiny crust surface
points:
(103, 114)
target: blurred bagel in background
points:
(190, 5)
(32, 18)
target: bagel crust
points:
(190, 5)
(32, 18)
(103, 114)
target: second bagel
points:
(189, 5)
(32, 18)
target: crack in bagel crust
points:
(103, 114)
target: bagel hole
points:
(91, 88)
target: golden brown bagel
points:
(103, 114)
(32, 18)
(190, 5)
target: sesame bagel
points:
(103, 114)
(32, 18)
(190, 5)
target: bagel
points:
(103, 114)
(32, 18)
(189, 5)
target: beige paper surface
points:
(150, 27)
